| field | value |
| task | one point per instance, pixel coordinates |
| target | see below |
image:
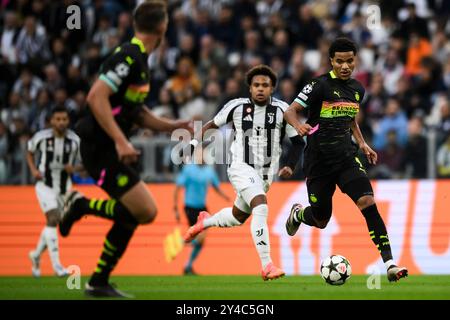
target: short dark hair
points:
(261, 70)
(149, 15)
(57, 109)
(342, 45)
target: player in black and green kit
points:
(116, 105)
(332, 101)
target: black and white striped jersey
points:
(259, 132)
(53, 154)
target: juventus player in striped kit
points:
(58, 149)
(259, 130)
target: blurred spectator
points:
(212, 97)
(53, 78)
(60, 55)
(40, 111)
(391, 69)
(9, 37)
(418, 48)
(443, 126)
(415, 162)
(32, 43)
(414, 24)
(443, 159)
(394, 120)
(390, 159)
(27, 86)
(305, 28)
(184, 86)
(375, 100)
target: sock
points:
(196, 248)
(223, 219)
(377, 231)
(109, 209)
(260, 233)
(51, 239)
(306, 216)
(114, 246)
(41, 245)
(389, 264)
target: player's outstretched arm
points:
(291, 117)
(370, 154)
(148, 119)
(34, 171)
(98, 100)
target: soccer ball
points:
(335, 270)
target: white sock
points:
(389, 263)
(260, 233)
(41, 245)
(223, 219)
(51, 238)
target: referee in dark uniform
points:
(332, 101)
(116, 105)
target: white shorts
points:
(48, 198)
(247, 183)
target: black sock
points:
(306, 217)
(109, 209)
(115, 244)
(377, 231)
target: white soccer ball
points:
(335, 269)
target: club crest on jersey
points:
(357, 96)
(271, 117)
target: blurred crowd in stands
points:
(404, 64)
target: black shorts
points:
(103, 165)
(353, 181)
(192, 214)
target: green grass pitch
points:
(234, 288)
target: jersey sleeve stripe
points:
(109, 82)
(301, 102)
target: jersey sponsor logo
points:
(313, 198)
(337, 93)
(339, 109)
(307, 89)
(137, 93)
(248, 118)
(303, 96)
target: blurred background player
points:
(332, 101)
(195, 178)
(259, 126)
(116, 104)
(58, 149)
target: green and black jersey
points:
(332, 105)
(126, 73)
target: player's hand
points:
(303, 129)
(126, 152)
(69, 168)
(36, 174)
(183, 124)
(285, 172)
(371, 155)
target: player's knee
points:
(53, 218)
(321, 224)
(147, 215)
(240, 215)
(365, 202)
